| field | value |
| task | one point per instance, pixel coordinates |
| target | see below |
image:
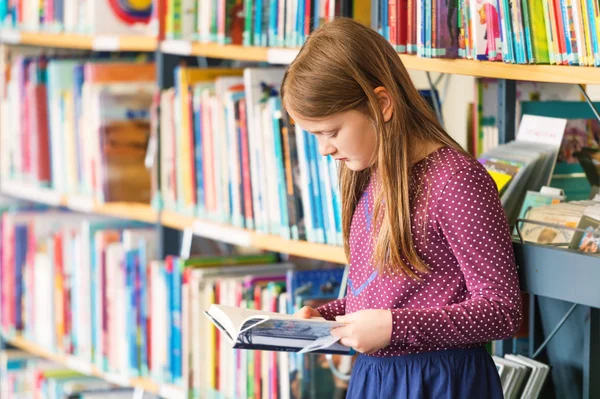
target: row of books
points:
(521, 376)
(563, 32)
(94, 17)
(229, 155)
(274, 23)
(80, 127)
(91, 288)
(25, 376)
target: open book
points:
(261, 330)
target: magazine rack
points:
(571, 276)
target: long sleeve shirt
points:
(471, 293)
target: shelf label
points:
(117, 379)
(221, 233)
(180, 47)
(79, 365)
(10, 36)
(282, 56)
(80, 203)
(171, 392)
(105, 43)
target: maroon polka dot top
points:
(471, 294)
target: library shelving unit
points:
(543, 270)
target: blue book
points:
(78, 100)
(21, 233)
(176, 339)
(131, 259)
(198, 154)
(258, 15)
(143, 310)
(317, 209)
(169, 375)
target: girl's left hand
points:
(366, 331)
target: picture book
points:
(262, 330)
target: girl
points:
(432, 272)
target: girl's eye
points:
(332, 134)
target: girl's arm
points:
(332, 309)
(472, 223)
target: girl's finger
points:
(349, 342)
(340, 332)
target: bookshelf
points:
(146, 384)
(79, 42)
(540, 268)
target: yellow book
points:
(585, 23)
(211, 365)
(185, 78)
(500, 179)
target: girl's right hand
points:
(307, 312)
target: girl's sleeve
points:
(332, 309)
(472, 223)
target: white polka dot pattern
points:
(471, 294)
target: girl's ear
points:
(385, 103)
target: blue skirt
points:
(448, 374)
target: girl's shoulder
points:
(449, 165)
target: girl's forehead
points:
(318, 125)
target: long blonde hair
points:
(337, 70)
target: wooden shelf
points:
(500, 70)
(75, 364)
(81, 42)
(488, 69)
(123, 210)
(248, 238)
(213, 50)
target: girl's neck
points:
(422, 150)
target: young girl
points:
(432, 271)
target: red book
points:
(401, 24)
(560, 27)
(39, 136)
(393, 21)
(246, 180)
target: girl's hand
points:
(366, 331)
(307, 312)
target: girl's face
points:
(348, 137)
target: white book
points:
(272, 182)
(115, 296)
(304, 187)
